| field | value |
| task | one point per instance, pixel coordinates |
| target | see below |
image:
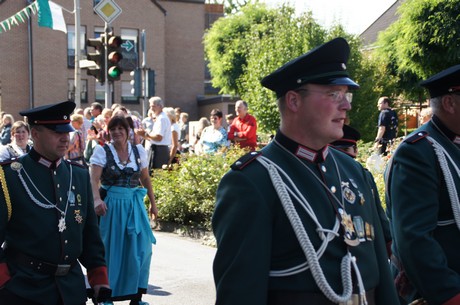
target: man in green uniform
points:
(423, 187)
(296, 223)
(47, 219)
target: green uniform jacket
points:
(255, 236)
(417, 200)
(33, 231)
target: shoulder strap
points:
(6, 192)
(137, 156)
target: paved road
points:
(180, 273)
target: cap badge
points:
(299, 81)
(65, 117)
(344, 66)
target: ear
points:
(292, 99)
(448, 103)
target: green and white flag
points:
(50, 15)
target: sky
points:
(355, 15)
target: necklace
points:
(126, 162)
(350, 236)
(48, 205)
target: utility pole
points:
(77, 80)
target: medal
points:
(361, 198)
(71, 198)
(359, 226)
(78, 217)
(349, 230)
(61, 224)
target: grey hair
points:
(156, 100)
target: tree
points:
(423, 41)
(245, 47)
(226, 45)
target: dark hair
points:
(216, 112)
(98, 106)
(119, 121)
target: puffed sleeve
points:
(99, 157)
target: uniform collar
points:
(449, 133)
(302, 152)
(43, 161)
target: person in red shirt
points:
(243, 130)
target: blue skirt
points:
(128, 239)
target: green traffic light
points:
(114, 73)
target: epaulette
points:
(9, 161)
(76, 163)
(416, 137)
(245, 160)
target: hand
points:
(102, 293)
(153, 211)
(100, 207)
(140, 132)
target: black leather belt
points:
(38, 265)
(282, 297)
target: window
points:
(71, 44)
(83, 90)
(100, 92)
(127, 96)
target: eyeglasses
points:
(454, 90)
(337, 96)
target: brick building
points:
(37, 63)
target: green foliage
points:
(186, 194)
(285, 37)
(422, 42)
(226, 45)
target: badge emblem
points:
(16, 166)
(348, 194)
(79, 199)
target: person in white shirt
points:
(160, 137)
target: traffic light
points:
(98, 56)
(136, 82)
(114, 57)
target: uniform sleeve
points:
(242, 225)
(4, 272)
(415, 191)
(98, 157)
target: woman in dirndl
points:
(122, 170)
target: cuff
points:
(98, 276)
(453, 301)
(4, 274)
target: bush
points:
(185, 193)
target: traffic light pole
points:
(77, 80)
(108, 96)
(144, 75)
